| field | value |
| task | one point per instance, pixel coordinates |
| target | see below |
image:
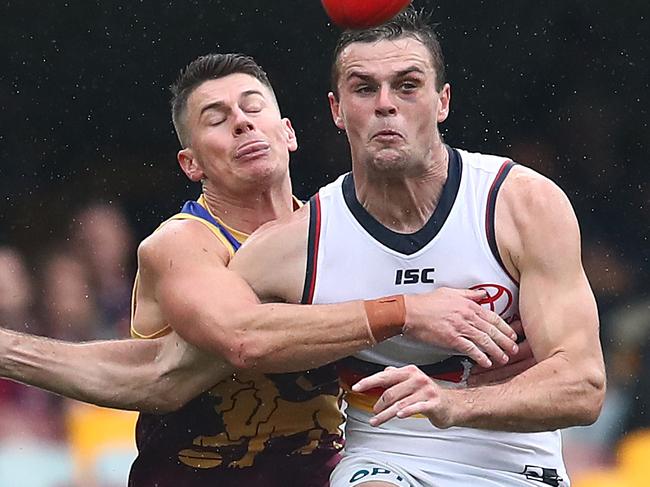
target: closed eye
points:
(216, 121)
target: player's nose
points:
(385, 104)
(242, 123)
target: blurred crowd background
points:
(88, 169)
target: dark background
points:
(560, 86)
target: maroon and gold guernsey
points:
(251, 429)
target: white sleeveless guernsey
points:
(352, 256)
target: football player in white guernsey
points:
(417, 213)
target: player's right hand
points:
(453, 319)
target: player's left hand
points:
(408, 391)
(497, 373)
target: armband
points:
(386, 316)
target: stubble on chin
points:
(388, 161)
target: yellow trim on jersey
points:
(362, 401)
(134, 333)
(216, 232)
(160, 333)
(239, 236)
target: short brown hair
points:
(409, 23)
(204, 68)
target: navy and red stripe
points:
(490, 213)
(312, 249)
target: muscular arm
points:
(229, 321)
(215, 309)
(185, 284)
(559, 316)
(146, 375)
(539, 240)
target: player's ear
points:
(189, 165)
(292, 140)
(335, 108)
(444, 100)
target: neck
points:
(405, 201)
(246, 212)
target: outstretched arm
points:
(202, 298)
(566, 387)
(155, 376)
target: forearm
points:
(283, 338)
(286, 338)
(555, 393)
(126, 374)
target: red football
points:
(360, 14)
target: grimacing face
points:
(237, 135)
(388, 104)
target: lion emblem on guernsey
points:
(298, 410)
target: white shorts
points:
(405, 471)
(356, 469)
(412, 452)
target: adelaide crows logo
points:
(499, 298)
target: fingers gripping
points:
(487, 331)
(499, 333)
(405, 386)
(469, 348)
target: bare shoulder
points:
(180, 240)
(533, 195)
(175, 257)
(534, 218)
(273, 259)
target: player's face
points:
(237, 135)
(388, 104)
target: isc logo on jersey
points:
(414, 276)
